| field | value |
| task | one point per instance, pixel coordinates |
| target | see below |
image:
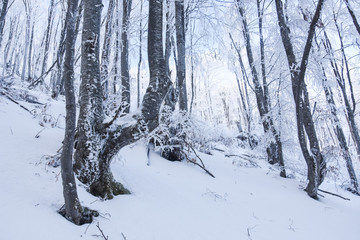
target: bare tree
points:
(125, 75)
(98, 142)
(3, 13)
(274, 150)
(72, 209)
(306, 129)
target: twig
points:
(40, 79)
(334, 194)
(123, 236)
(101, 231)
(193, 161)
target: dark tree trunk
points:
(180, 45)
(305, 124)
(27, 37)
(72, 210)
(274, 150)
(352, 14)
(3, 13)
(125, 76)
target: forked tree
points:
(98, 141)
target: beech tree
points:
(274, 150)
(72, 209)
(98, 141)
(305, 125)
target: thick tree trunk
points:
(125, 75)
(73, 210)
(92, 156)
(306, 128)
(91, 110)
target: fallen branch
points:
(101, 231)
(193, 161)
(14, 101)
(41, 78)
(334, 194)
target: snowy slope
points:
(169, 201)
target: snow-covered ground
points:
(169, 200)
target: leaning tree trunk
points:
(352, 14)
(274, 150)
(92, 156)
(72, 210)
(340, 133)
(125, 75)
(305, 124)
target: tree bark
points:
(106, 50)
(3, 13)
(274, 150)
(180, 45)
(98, 143)
(73, 211)
(125, 75)
(305, 124)
(352, 14)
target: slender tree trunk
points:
(306, 128)
(47, 39)
(125, 76)
(73, 210)
(180, 45)
(27, 37)
(117, 48)
(350, 108)
(30, 73)
(140, 54)
(106, 50)
(352, 14)
(274, 150)
(3, 13)
(340, 133)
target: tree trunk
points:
(352, 14)
(98, 143)
(91, 113)
(73, 210)
(3, 18)
(140, 54)
(106, 50)
(125, 76)
(180, 45)
(27, 37)
(47, 39)
(340, 134)
(274, 150)
(306, 128)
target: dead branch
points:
(334, 194)
(40, 79)
(14, 101)
(193, 161)
(101, 231)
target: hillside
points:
(169, 200)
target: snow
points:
(169, 200)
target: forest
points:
(270, 84)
